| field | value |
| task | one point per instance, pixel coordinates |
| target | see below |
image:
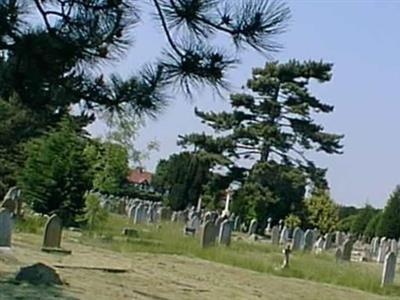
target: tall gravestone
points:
(140, 214)
(298, 236)
(225, 233)
(5, 227)
(207, 236)
(375, 246)
(308, 240)
(389, 269)
(394, 246)
(347, 248)
(52, 232)
(253, 227)
(383, 248)
(275, 235)
(328, 241)
(284, 238)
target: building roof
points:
(139, 176)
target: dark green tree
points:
(273, 123)
(372, 226)
(389, 225)
(362, 219)
(182, 178)
(55, 175)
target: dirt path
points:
(156, 277)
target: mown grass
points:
(168, 238)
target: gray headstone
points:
(382, 251)
(52, 232)
(338, 254)
(375, 246)
(275, 235)
(207, 235)
(5, 227)
(308, 240)
(225, 233)
(339, 238)
(140, 214)
(394, 246)
(347, 248)
(253, 227)
(328, 241)
(389, 268)
(284, 238)
(297, 240)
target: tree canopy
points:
(389, 225)
(273, 123)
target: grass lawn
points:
(168, 238)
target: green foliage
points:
(362, 219)
(389, 225)
(182, 177)
(109, 166)
(346, 223)
(322, 211)
(372, 227)
(292, 221)
(95, 215)
(30, 224)
(273, 123)
(252, 201)
(55, 175)
(346, 211)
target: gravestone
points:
(284, 238)
(275, 235)
(382, 251)
(52, 232)
(308, 240)
(140, 214)
(194, 222)
(5, 227)
(225, 233)
(347, 248)
(389, 269)
(375, 246)
(280, 225)
(217, 225)
(207, 236)
(394, 246)
(328, 241)
(236, 224)
(297, 240)
(339, 238)
(253, 227)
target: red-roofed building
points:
(140, 177)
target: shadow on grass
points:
(12, 289)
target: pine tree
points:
(273, 124)
(389, 225)
(363, 218)
(372, 226)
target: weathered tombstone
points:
(225, 232)
(194, 222)
(253, 227)
(284, 238)
(308, 240)
(217, 225)
(207, 236)
(236, 224)
(339, 238)
(298, 236)
(389, 268)
(140, 214)
(375, 246)
(275, 235)
(319, 244)
(383, 248)
(52, 233)
(131, 212)
(347, 248)
(12, 200)
(5, 227)
(280, 225)
(328, 241)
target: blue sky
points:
(362, 39)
